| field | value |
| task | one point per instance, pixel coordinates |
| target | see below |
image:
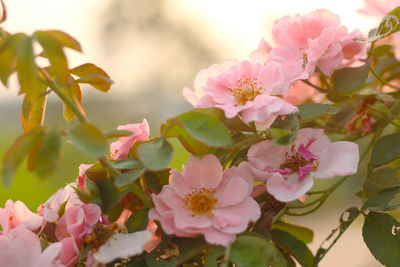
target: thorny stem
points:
(382, 80)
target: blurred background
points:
(152, 49)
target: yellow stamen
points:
(246, 90)
(200, 201)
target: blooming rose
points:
(17, 214)
(249, 90)
(120, 148)
(205, 200)
(289, 170)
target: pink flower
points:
(301, 93)
(77, 221)
(51, 207)
(17, 214)
(81, 177)
(205, 200)
(260, 55)
(21, 248)
(248, 89)
(120, 149)
(289, 170)
(193, 96)
(314, 39)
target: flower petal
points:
(287, 189)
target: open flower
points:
(120, 148)
(17, 214)
(289, 170)
(205, 200)
(249, 90)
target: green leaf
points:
(157, 155)
(382, 179)
(127, 164)
(48, 155)
(89, 139)
(389, 25)
(93, 75)
(386, 200)
(27, 70)
(303, 234)
(118, 134)
(8, 56)
(205, 128)
(137, 221)
(65, 39)
(33, 112)
(381, 50)
(93, 191)
(74, 93)
(347, 217)
(18, 150)
(309, 112)
(109, 194)
(294, 246)
(385, 150)
(350, 80)
(192, 145)
(54, 52)
(247, 256)
(382, 237)
(284, 130)
(128, 177)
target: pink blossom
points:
(314, 39)
(77, 221)
(301, 93)
(51, 207)
(249, 90)
(206, 200)
(17, 214)
(193, 96)
(260, 55)
(81, 177)
(21, 247)
(120, 148)
(289, 170)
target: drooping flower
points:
(120, 148)
(17, 214)
(122, 246)
(289, 170)
(250, 90)
(205, 200)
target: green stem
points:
(320, 89)
(382, 80)
(227, 255)
(80, 114)
(140, 194)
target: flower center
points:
(200, 201)
(246, 90)
(293, 161)
(99, 236)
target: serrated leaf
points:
(65, 39)
(54, 52)
(294, 246)
(89, 139)
(137, 221)
(350, 80)
(385, 150)
(8, 56)
(27, 70)
(385, 200)
(18, 150)
(128, 177)
(156, 155)
(309, 112)
(48, 155)
(347, 217)
(382, 236)
(302, 233)
(205, 128)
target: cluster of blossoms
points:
(206, 198)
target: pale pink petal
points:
(122, 246)
(50, 255)
(92, 213)
(205, 172)
(289, 188)
(266, 154)
(190, 96)
(261, 54)
(69, 254)
(213, 236)
(234, 191)
(339, 159)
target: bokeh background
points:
(152, 49)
